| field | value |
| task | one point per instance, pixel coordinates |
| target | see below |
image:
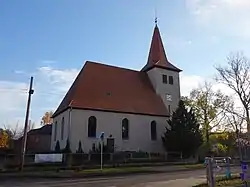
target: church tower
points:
(163, 75)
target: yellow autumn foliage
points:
(4, 139)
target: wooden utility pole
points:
(24, 140)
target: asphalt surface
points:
(174, 179)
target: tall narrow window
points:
(62, 128)
(125, 129)
(169, 109)
(55, 131)
(92, 127)
(165, 79)
(171, 80)
(153, 131)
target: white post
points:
(101, 153)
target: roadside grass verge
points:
(125, 167)
(193, 166)
(113, 170)
(234, 181)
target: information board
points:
(41, 158)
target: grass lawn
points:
(192, 166)
(113, 170)
(106, 169)
(235, 181)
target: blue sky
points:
(51, 40)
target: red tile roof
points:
(108, 88)
(157, 56)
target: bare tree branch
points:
(14, 132)
(236, 75)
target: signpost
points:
(228, 169)
(212, 167)
(210, 174)
(244, 174)
(102, 139)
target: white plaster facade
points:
(111, 124)
(155, 76)
(76, 122)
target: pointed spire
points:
(157, 53)
(157, 56)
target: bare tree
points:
(235, 118)
(17, 131)
(236, 75)
(14, 132)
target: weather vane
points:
(155, 17)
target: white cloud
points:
(50, 86)
(226, 16)
(189, 82)
(12, 99)
(47, 62)
(19, 72)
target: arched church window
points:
(55, 131)
(153, 131)
(125, 129)
(62, 128)
(92, 127)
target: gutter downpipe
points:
(68, 158)
(70, 122)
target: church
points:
(131, 106)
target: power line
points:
(15, 90)
(26, 91)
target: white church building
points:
(131, 106)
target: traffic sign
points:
(101, 136)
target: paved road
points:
(183, 179)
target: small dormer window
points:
(171, 80)
(165, 79)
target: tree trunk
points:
(207, 136)
(248, 120)
(206, 128)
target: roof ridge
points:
(112, 66)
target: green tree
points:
(67, 147)
(224, 142)
(79, 150)
(183, 134)
(209, 107)
(57, 148)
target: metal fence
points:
(217, 166)
(93, 159)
